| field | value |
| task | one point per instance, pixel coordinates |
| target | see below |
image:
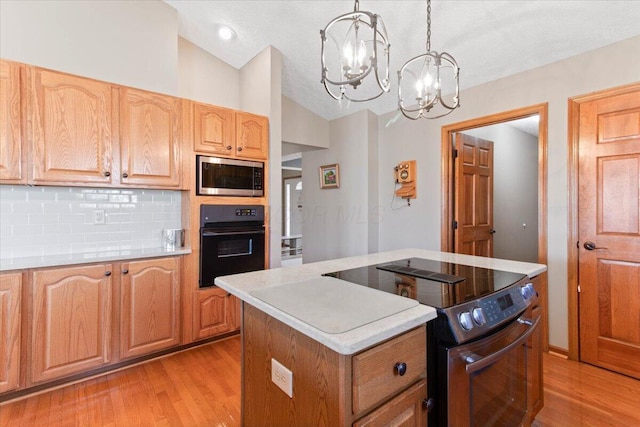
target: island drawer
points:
(378, 373)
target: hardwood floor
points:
(201, 387)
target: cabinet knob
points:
(228, 147)
(107, 174)
(400, 368)
(239, 148)
(125, 175)
(428, 404)
(125, 271)
(107, 273)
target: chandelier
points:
(430, 82)
(354, 47)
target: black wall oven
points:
(232, 240)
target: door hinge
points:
(579, 289)
(578, 244)
(455, 154)
(455, 225)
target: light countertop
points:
(88, 257)
(245, 285)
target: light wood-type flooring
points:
(201, 387)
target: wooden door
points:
(150, 306)
(609, 232)
(473, 209)
(11, 171)
(149, 139)
(10, 313)
(72, 314)
(252, 133)
(215, 312)
(214, 130)
(70, 128)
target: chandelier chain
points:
(428, 25)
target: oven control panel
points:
(475, 318)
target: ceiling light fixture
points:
(431, 81)
(354, 46)
(225, 32)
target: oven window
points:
(499, 393)
(235, 247)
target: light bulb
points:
(362, 53)
(347, 52)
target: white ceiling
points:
(488, 39)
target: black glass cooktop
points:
(434, 283)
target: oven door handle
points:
(474, 365)
(231, 233)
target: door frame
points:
(446, 236)
(572, 211)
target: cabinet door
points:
(215, 312)
(404, 410)
(252, 134)
(535, 389)
(10, 124)
(150, 306)
(149, 139)
(70, 128)
(72, 314)
(10, 290)
(213, 130)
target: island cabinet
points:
(225, 132)
(150, 305)
(11, 151)
(381, 385)
(91, 133)
(215, 312)
(10, 330)
(72, 318)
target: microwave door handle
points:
(230, 233)
(474, 365)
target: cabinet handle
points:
(107, 273)
(125, 271)
(125, 175)
(107, 174)
(228, 147)
(400, 368)
(239, 148)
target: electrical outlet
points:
(282, 377)
(99, 216)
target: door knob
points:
(590, 246)
(492, 231)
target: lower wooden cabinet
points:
(10, 330)
(215, 312)
(406, 410)
(72, 318)
(150, 306)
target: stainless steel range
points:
(477, 352)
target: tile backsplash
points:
(36, 221)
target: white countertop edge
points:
(87, 258)
(354, 340)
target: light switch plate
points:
(282, 377)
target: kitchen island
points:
(299, 369)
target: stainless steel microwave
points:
(218, 176)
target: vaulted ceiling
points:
(489, 39)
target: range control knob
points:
(478, 316)
(527, 292)
(465, 320)
(532, 290)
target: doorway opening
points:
(448, 215)
(291, 247)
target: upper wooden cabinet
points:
(252, 136)
(11, 170)
(10, 331)
(150, 132)
(70, 126)
(150, 306)
(220, 131)
(86, 132)
(72, 317)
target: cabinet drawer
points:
(375, 376)
(406, 409)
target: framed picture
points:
(330, 176)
